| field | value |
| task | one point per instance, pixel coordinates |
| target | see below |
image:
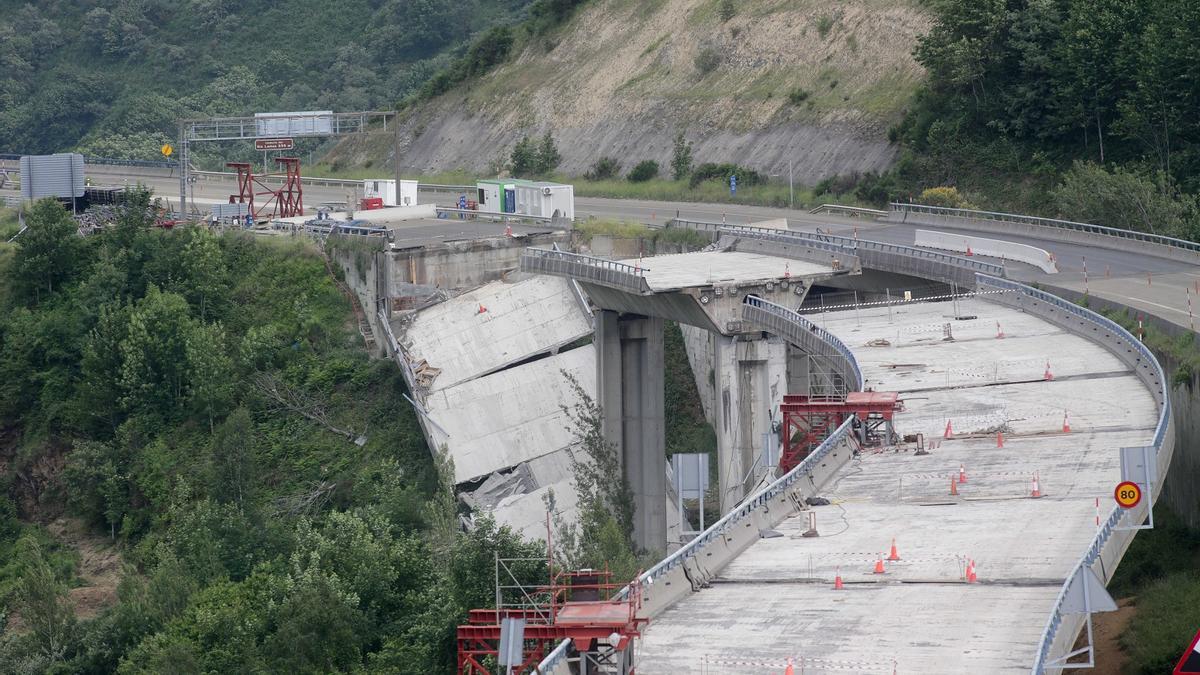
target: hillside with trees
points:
(202, 408)
(111, 79)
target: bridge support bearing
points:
(629, 369)
(751, 379)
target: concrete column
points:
(629, 368)
(751, 379)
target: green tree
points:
(234, 460)
(681, 158)
(98, 483)
(209, 372)
(47, 251)
(204, 280)
(154, 355)
(547, 155)
(319, 631)
(1125, 199)
(525, 160)
(604, 533)
(43, 601)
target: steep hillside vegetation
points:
(112, 77)
(759, 82)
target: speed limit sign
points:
(1128, 494)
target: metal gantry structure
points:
(809, 420)
(254, 128)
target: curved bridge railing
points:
(897, 258)
(810, 337)
(1113, 538)
(1061, 230)
(585, 267)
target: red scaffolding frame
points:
(569, 606)
(807, 421)
(285, 202)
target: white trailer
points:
(393, 192)
(548, 200)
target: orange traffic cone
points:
(953, 487)
(789, 670)
(879, 565)
(999, 439)
(949, 430)
(1047, 375)
(962, 473)
(1037, 487)
(508, 230)
(999, 331)
(972, 577)
(1066, 422)
(482, 309)
(894, 555)
(969, 251)
(837, 580)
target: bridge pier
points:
(629, 385)
(750, 375)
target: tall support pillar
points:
(629, 368)
(751, 380)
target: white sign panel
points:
(306, 123)
(59, 175)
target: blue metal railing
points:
(1114, 517)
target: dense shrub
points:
(604, 168)
(644, 171)
(708, 59)
(746, 177)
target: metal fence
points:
(1109, 526)
(585, 268)
(971, 214)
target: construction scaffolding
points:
(532, 617)
(808, 420)
(283, 202)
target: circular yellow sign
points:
(167, 150)
(1128, 494)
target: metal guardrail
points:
(555, 658)
(848, 245)
(503, 217)
(763, 496)
(774, 489)
(1109, 526)
(586, 268)
(852, 210)
(972, 214)
(803, 333)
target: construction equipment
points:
(808, 420)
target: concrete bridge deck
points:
(777, 600)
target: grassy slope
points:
(618, 54)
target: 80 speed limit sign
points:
(1128, 494)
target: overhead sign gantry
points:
(272, 126)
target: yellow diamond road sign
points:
(167, 150)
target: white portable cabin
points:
(393, 192)
(547, 200)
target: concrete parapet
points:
(992, 248)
